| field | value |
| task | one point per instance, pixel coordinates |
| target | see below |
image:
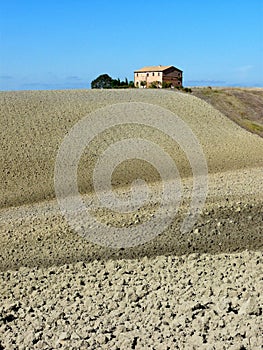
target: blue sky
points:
(67, 43)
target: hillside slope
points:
(59, 290)
(34, 123)
(243, 106)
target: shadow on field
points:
(48, 241)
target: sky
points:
(66, 44)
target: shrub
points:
(187, 89)
(166, 84)
(154, 85)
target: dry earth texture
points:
(244, 106)
(196, 290)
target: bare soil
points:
(199, 290)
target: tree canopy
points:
(104, 81)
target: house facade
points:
(158, 75)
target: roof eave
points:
(156, 70)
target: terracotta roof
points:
(154, 69)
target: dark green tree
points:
(104, 81)
(115, 83)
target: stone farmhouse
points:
(158, 75)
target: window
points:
(153, 74)
(147, 74)
(137, 74)
(158, 74)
